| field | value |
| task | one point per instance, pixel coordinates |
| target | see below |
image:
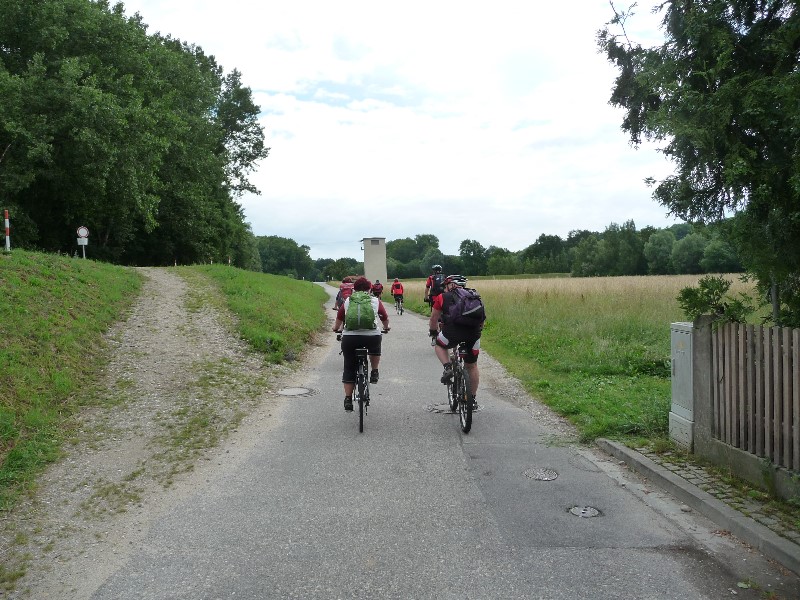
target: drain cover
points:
(584, 511)
(541, 474)
(296, 391)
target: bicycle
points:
(458, 396)
(361, 391)
(398, 305)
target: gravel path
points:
(181, 396)
(176, 391)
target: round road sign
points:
(83, 232)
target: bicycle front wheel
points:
(362, 391)
(452, 390)
(464, 403)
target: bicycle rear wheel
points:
(362, 389)
(464, 403)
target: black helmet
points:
(437, 267)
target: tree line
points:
(147, 142)
(141, 138)
(618, 250)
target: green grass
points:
(273, 311)
(54, 311)
(596, 350)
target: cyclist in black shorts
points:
(368, 337)
(450, 335)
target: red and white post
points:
(8, 232)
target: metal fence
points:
(756, 391)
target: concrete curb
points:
(746, 529)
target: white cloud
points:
(477, 120)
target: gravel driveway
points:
(177, 388)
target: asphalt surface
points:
(678, 483)
(413, 508)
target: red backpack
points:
(345, 291)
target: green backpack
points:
(360, 314)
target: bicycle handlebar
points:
(339, 334)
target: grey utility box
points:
(681, 414)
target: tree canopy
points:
(141, 138)
(720, 96)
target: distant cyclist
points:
(364, 335)
(451, 334)
(377, 288)
(345, 289)
(434, 286)
(397, 290)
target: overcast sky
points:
(469, 120)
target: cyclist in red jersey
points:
(345, 289)
(397, 289)
(434, 286)
(450, 335)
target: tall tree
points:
(473, 255)
(425, 243)
(658, 251)
(284, 256)
(720, 95)
(688, 253)
(402, 250)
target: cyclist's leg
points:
(441, 349)
(474, 376)
(373, 344)
(471, 366)
(349, 369)
(471, 363)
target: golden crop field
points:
(595, 349)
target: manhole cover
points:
(541, 474)
(584, 511)
(296, 391)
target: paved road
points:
(412, 508)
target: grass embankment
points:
(53, 314)
(596, 350)
(276, 315)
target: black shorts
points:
(349, 345)
(452, 335)
(398, 297)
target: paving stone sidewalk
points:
(771, 527)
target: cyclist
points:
(377, 288)
(450, 335)
(397, 290)
(434, 286)
(345, 289)
(369, 338)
